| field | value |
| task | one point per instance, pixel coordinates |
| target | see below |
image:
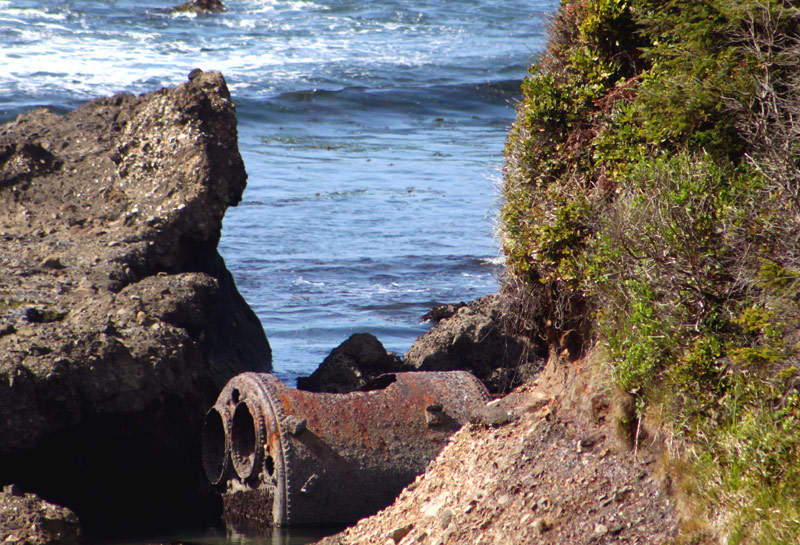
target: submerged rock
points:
(202, 6)
(119, 322)
(352, 366)
(472, 338)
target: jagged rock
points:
(442, 312)
(120, 322)
(398, 534)
(28, 520)
(474, 339)
(352, 366)
(202, 6)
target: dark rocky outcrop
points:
(442, 312)
(119, 322)
(474, 339)
(352, 366)
(202, 6)
(28, 520)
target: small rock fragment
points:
(34, 315)
(542, 525)
(51, 262)
(585, 444)
(398, 534)
(445, 517)
(493, 416)
(434, 415)
(294, 425)
(12, 490)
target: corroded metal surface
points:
(289, 457)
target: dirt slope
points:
(538, 466)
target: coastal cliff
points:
(119, 322)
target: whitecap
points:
(42, 13)
(272, 6)
(493, 261)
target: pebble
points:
(445, 517)
(51, 262)
(542, 525)
(12, 490)
(398, 534)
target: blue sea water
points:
(372, 133)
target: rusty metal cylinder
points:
(290, 457)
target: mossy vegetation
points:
(652, 203)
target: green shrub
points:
(652, 190)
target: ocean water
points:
(372, 133)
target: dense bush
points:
(652, 203)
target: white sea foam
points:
(183, 14)
(493, 261)
(33, 14)
(282, 6)
(91, 59)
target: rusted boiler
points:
(289, 457)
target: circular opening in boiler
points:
(243, 441)
(214, 453)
